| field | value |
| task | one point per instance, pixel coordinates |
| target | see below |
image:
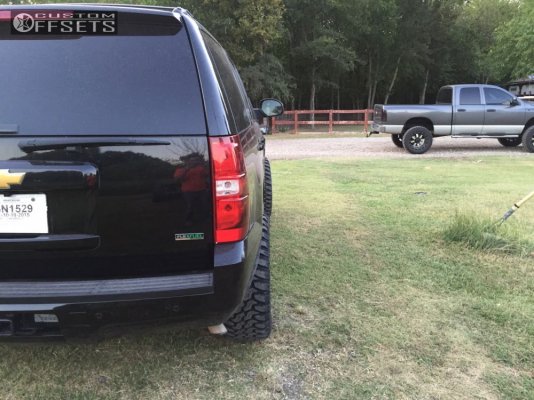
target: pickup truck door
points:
(501, 116)
(468, 112)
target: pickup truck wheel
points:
(267, 190)
(397, 140)
(417, 139)
(528, 140)
(510, 142)
(252, 320)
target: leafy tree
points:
(246, 29)
(512, 54)
(249, 30)
(477, 26)
(319, 52)
(353, 53)
(268, 78)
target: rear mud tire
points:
(397, 140)
(252, 320)
(417, 140)
(510, 142)
(528, 140)
(267, 190)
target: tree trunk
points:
(338, 96)
(370, 82)
(371, 100)
(312, 98)
(374, 94)
(422, 98)
(332, 98)
(392, 84)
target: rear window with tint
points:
(444, 96)
(230, 81)
(142, 81)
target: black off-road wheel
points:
(417, 139)
(528, 140)
(267, 190)
(510, 142)
(252, 320)
(397, 140)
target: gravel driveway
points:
(382, 147)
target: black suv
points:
(134, 187)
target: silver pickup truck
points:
(480, 111)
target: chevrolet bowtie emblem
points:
(10, 178)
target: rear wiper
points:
(29, 146)
(9, 128)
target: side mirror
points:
(515, 102)
(271, 107)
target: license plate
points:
(23, 213)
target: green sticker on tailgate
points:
(188, 236)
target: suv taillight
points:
(230, 189)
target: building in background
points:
(523, 88)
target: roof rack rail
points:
(183, 11)
(141, 6)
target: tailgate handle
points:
(50, 242)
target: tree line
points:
(343, 54)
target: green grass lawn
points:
(370, 301)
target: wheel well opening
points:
(529, 124)
(418, 122)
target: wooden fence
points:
(295, 121)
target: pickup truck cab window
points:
(444, 96)
(497, 97)
(470, 96)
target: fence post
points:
(273, 124)
(366, 121)
(330, 121)
(296, 121)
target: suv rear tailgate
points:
(133, 210)
(105, 138)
